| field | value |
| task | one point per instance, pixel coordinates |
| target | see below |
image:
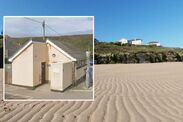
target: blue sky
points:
(147, 19)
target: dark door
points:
(43, 72)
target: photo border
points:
(45, 99)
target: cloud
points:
(22, 26)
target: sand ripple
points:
(123, 93)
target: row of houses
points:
(138, 42)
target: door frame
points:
(43, 72)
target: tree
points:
(96, 40)
(1, 36)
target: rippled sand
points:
(123, 92)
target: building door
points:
(56, 76)
(43, 72)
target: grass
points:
(1, 43)
(83, 42)
(111, 48)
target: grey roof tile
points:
(70, 49)
(66, 46)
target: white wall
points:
(59, 57)
(123, 41)
(56, 76)
(61, 75)
(67, 74)
(157, 44)
(137, 42)
(22, 68)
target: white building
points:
(53, 61)
(123, 41)
(136, 41)
(155, 43)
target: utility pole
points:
(88, 71)
(43, 24)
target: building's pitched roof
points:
(134, 39)
(70, 49)
(131, 40)
(82, 42)
(122, 40)
(10, 42)
(67, 48)
(22, 48)
(153, 42)
(13, 47)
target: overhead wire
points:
(33, 20)
(34, 27)
(53, 30)
(48, 26)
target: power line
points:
(42, 23)
(53, 29)
(33, 20)
(49, 27)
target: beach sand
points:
(123, 93)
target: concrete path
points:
(44, 92)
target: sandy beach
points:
(123, 93)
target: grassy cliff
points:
(107, 53)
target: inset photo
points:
(48, 58)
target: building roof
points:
(154, 42)
(122, 39)
(13, 47)
(22, 48)
(69, 49)
(134, 40)
(64, 47)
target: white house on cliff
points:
(123, 41)
(136, 41)
(156, 43)
(133, 41)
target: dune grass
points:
(113, 48)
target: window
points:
(53, 55)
